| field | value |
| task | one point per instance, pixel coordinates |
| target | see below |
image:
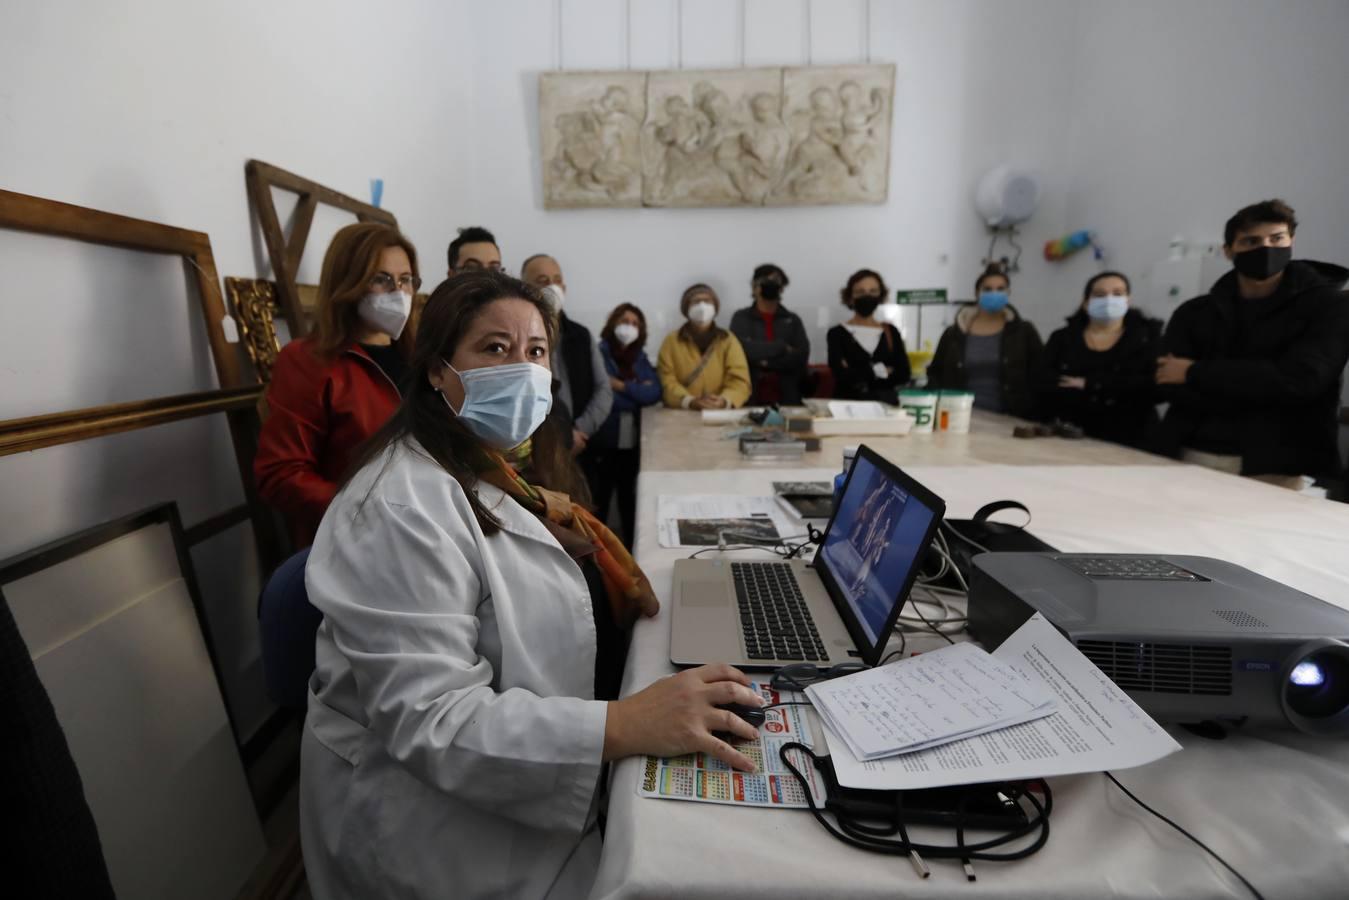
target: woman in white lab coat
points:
(453, 744)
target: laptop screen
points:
(875, 541)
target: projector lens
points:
(1318, 684)
(1307, 674)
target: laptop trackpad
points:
(704, 594)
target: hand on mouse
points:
(678, 714)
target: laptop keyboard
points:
(773, 616)
(1128, 568)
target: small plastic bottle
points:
(840, 478)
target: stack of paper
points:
(926, 701)
(1097, 727)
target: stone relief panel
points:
(590, 128)
(737, 137)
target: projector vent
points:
(1163, 668)
(1239, 618)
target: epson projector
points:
(1190, 639)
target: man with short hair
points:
(577, 363)
(474, 250)
(1252, 369)
(774, 338)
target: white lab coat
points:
(452, 746)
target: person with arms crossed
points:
(867, 358)
(1252, 369)
(702, 366)
(774, 339)
(1099, 367)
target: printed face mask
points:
(1262, 262)
(1104, 309)
(992, 301)
(702, 312)
(626, 333)
(504, 405)
(386, 313)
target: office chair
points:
(287, 623)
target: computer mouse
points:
(751, 714)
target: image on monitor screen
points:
(875, 541)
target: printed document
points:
(709, 519)
(1096, 727)
(936, 698)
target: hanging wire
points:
(557, 22)
(809, 36)
(627, 34)
(679, 34)
(866, 30)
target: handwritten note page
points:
(951, 693)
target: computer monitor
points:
(874, 546)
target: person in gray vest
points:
(774, 339)
(583, 382)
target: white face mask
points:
(1108, 308)
(554, 294)
(702, 312)
(626, 333)
(504, 404)
(386, 313)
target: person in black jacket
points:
(1100, 366)
(867, 357)
(775, 341)
(991, 351)
(1252, 369)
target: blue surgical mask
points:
(1105, 309)
(504, 405)
(992, 301)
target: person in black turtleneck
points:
(1252, 369)
(1100, 366)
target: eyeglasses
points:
(386, 282)
(799, 676)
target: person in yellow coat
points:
(702, 366)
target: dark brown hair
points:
(351, 261)
(425, 417)
(607, 333)
(989, 271)
(473, 234)
(857, 276)
(1266, 212)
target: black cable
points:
(865, 837)
(935, 630)
(903, 645)
(1205, 847)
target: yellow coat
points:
(726, 372)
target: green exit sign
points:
(921, 297)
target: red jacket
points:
(320, 412)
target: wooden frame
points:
(285, 252)
(238, 395)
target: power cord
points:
(1205, 847)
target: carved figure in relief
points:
(763, 148)
(861, 121)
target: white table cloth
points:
(1275, 804)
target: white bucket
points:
(953, 411)
(921, 406)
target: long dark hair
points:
(424, 416)
(607, 333)
(1079, 316)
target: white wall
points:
(1145, 119)
(1181, 113)
(961, 105)
(150, 109)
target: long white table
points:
(1275, 804)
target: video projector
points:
(1190, 639)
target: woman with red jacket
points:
(335, 388)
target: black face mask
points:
(1262, 262)
(865, 304)
(770, 289)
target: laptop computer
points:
(839, 608)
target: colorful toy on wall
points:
(1064, 247)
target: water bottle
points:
(840, 478)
